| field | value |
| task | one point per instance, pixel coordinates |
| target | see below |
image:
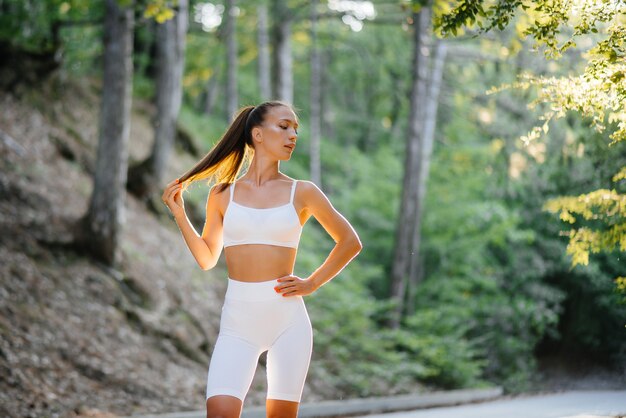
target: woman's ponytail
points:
(224, 161)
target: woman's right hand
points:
(173, 197)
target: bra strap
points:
(293, 191)
(232, 190)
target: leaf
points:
(621, 175)
(165, 15)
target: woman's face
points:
(278, 133)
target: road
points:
(575, 404)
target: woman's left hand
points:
(294, 286)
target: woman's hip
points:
(255, 311)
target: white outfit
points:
(255, 318)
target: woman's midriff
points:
(259, 262)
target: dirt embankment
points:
(77, 338)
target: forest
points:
(477, 147)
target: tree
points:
(231, 59)
(211, 93)
(145, 178)
(282, 71)
(100, 228)
(316, 85)
(30, 37)
(263, 69)
(428, 139)
(407, 226)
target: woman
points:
(258, 219)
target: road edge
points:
(348, 407)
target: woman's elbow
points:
(207, 267)
(207, 264)
(359, 245)
(355, 244)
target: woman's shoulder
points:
(305, 184)
(219, 193)
(308, 189)
(219, 188)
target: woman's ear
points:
(256, 134)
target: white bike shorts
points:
(255, 318)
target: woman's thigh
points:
(288, 360)
(232, 367)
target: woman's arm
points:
(206, 248)
(347, 243)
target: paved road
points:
(577, 404)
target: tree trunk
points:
(103, 221)
(145, 178)
(328, 116)
(405, 232)
(231, 60)
(265, 84)
(396, 103)
(430, 121)
(368, 141)
(211, 93)
(282, 73)
(315, 163)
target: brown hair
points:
(224, 161)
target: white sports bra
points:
(279, 225)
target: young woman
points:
(257, 219)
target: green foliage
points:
(598, 94)
(366, 192)
(590, 314)
(143, 87)
(435, 339)
(483, 268)
(606, 206)
(199, 66)
(35, 25)
(352, 353)
(620, 284)
(205, 130)
(595, 322)
(160, 10)
(600, 91)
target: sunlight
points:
(485, 116)
(354, 12)
(517, 165)
(209, 15)
(64, 8)
(355, 24)
(579, 6)
(537, 150)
